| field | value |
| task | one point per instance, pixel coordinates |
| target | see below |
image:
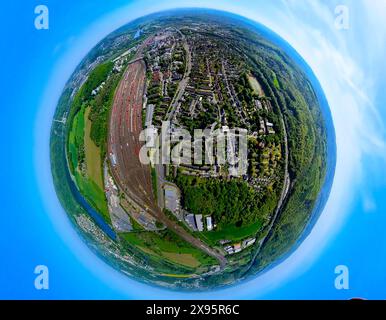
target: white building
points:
(249, 242)
(199, 223)
(209, 224)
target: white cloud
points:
(369, 204)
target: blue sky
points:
(350, 67)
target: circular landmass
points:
(190, 150)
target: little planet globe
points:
(192, 149)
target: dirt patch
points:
(92, 154)
(185, 259)
(255, 85)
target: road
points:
(183, 83)
(160, 182)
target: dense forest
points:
(230, 202)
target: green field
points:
(91, 186)
(75, 141)
(92, 154)
(275, 81)
(87, 135)
(233, 233)
(167, 245)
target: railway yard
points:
(133, 177)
